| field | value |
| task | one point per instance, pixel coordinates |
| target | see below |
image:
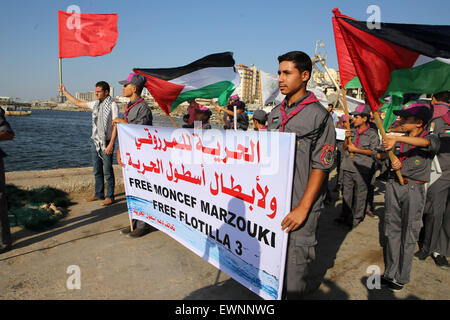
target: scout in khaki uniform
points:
(436, 230)
(405, 203)
(302, 114)
(357, 171)
(136, 112)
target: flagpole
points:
(221, 118)
(173, 121)
(347, 119)
(347, 122)
(391, 154)
(60, 77)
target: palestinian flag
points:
(213, 76)
(347, 72)
(405, 58)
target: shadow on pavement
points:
(329, 239)
(383, 293)
(224, 290)
(334, 292)
(329, 236)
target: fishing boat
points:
(16, 111)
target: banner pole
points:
(131, 223)
(173, 121)
(391, 154)
(235, 118)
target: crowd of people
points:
(416, 209)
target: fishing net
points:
(36, 209)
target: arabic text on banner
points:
(222, 197)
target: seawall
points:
(69, 180)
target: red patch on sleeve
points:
(327, 156)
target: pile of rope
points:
(36, 209)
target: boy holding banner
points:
(137, 112)
(302, 114)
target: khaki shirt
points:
(308, 156)
(368, 140)
(442, 130)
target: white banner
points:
(340, 134)
(353, 103)
(270, 90)
(222, 194)
(318, 92)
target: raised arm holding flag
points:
(85, 34)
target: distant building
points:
(5, 99)
(249, 88)
(121, 99)
(145, 92)
(86, 96)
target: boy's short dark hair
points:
(261, 122)
(104, 85)
(186, 116)
(240, 105)
(301, 60)
(442, 96)
(139, 90)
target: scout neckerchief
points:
(129, 108)
(446, 117)
(407, 153)
(359, 133)
(309, 99)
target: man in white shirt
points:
(104, 134)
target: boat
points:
(16, 111)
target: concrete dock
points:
(113, 266)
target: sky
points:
(163, 34)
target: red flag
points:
(86, 34)
(373, 58)
(347, 70)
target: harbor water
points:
(51, 139)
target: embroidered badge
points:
(447, 131)
(417, 162)
(275, 120)
(327, 156)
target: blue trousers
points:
(103, 170)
